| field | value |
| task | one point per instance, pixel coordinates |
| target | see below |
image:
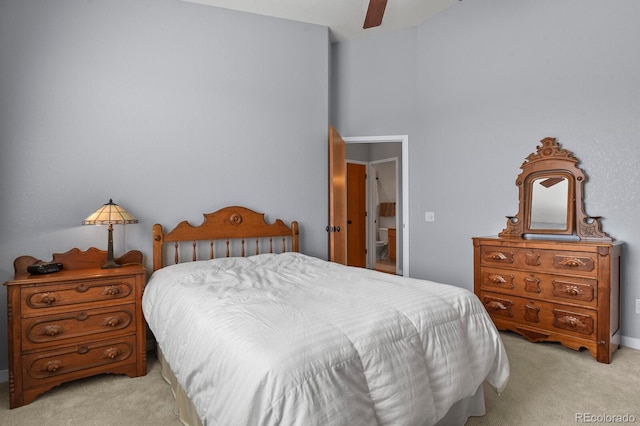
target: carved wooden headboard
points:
(227, 227)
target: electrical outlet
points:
(637, 306)
(429, 216)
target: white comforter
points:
(294, 340)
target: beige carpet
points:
(97, 401)
(554, 385)
(549, 385)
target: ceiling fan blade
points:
(375, 12)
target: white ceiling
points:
(343, 17)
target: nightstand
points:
(78, 322)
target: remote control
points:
(44, 268)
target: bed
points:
(252, 332)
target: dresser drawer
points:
(73, 327)
(54, 365)
(63, 296)
(581, 263)
(564, 319)
(554, 288)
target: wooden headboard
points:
(223, 227)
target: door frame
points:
(404, 140)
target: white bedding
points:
(291, 339)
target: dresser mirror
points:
(551, 198)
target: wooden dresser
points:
(75, 323)
(562, 291)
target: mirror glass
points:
(549, 203)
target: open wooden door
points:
(337, 199)
(357, 215)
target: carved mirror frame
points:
(551, 164)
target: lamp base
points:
(110, 264)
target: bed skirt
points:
(186, 411)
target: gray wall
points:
(172, 109)
(476, 88)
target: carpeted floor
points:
(554, 385)
(102, 400)
(549, 385)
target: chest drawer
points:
(557, 288)
(59, 297)
(55, 364)
(563, 319)
(581, 263)
(77, 326)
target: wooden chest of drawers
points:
(561, 291)
(74, 323)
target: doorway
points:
(402, 196)
(372, 221)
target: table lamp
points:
(110, 214)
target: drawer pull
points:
(497, 279)
(572, 263)
(496, 306)
(499, 307)
(586, 264)
(498, 256)
(82, 287)
(111, 353)
(573, 291)
(48, 298)
(113, 321)
(83, 349)
(82, 316)
(572, 322)
(111, 291)
(52, 366)
(51, 330)
(575, 322)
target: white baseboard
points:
(630, 342)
